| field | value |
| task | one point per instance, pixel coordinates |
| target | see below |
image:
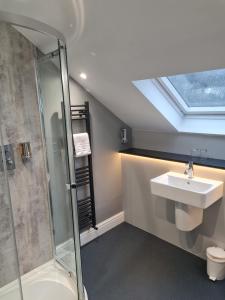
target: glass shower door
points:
(56, 146)
(10, 285)
(55, 112)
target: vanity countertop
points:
(201, 161)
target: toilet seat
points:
(216, 254)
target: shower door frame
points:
(67, 104)
(29, 23)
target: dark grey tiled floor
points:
(129, 264)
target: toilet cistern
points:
(189, 171)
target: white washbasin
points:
(198, 192)
(191, 196)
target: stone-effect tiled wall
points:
(19, 118)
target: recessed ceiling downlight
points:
(83, 75)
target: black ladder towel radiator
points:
(84, 174)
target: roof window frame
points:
(173, 94)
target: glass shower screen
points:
(52, 105)
(9, 264)
(55, 112)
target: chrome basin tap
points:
(189, 171)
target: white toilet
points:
(215, 263)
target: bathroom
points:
(134, 215)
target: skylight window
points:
(187, 102)
(201, 92)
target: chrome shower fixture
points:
(25, 151)
(9, 157)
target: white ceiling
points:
(66, 16)
(117, 42)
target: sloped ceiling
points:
(145, 39)
(116, 42)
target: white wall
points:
(180, 143)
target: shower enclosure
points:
(38, 211)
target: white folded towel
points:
(81, 144)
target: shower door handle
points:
(70, 186)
